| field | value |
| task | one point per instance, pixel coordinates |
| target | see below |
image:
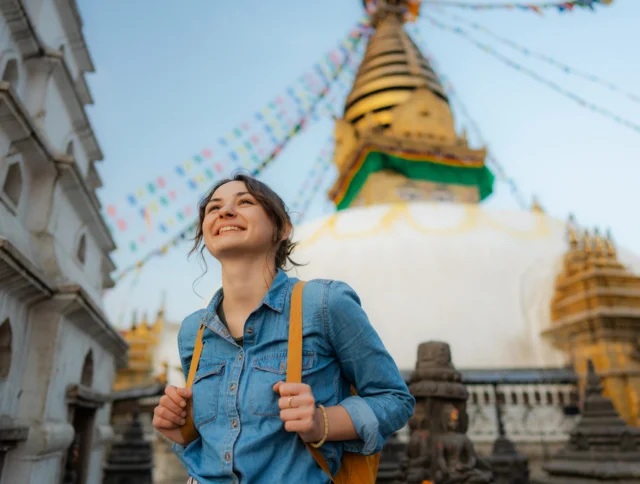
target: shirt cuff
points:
(178, 450)
(366, 425)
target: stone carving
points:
(390, 467)
(418, 461)
(601, 448)
(456, 460)
(439, 451)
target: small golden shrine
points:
(595, 315)
(143, 338)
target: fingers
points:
(285, 388)
(165, 414)
(296, 401)
(178, 395)
(160, 423)
(167, 403)
(185, 392)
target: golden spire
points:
(398, 127)
(134, 321)
(392, 69)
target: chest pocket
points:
(265, 372)
(206, 390)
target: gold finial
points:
(587, 243)
(572, 233)
(611, 248)
(134, 320)
(599, 243)
(573, 237)
(535, 206)
(144, 319)
(163, 304)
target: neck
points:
(245, 282)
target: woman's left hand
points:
(298, 410)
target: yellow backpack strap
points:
(294, 358)
(294, 351)
(188, 430)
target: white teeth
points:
(230, 227)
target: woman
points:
(247, 416)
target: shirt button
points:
(240, 356)
(234, 423)
(227, 457)
(233, 386)
(249, 331)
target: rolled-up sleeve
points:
(383, 404)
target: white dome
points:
(479, 279)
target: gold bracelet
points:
(326, 429)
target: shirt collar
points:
(274, 298)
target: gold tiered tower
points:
(397, 140)
(143, 338)
(595, 315)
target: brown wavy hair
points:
(271, 203)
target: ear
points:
(286, 233)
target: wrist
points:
(318, 425)
(317, 431)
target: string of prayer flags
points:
(492, 161)
(535, 76)
(564, 68)
(538, 8)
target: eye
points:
(245, 200)
(211, 208)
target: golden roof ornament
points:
(535, 205)
(611, 249)
(599, 243)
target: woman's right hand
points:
(170, 413)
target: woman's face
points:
(236, 224)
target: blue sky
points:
(172, 77)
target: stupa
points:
(428, 259)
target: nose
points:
(226, 211)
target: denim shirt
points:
(235, 409)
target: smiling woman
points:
(239, 420)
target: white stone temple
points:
(58, 351)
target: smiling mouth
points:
(228, 229)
